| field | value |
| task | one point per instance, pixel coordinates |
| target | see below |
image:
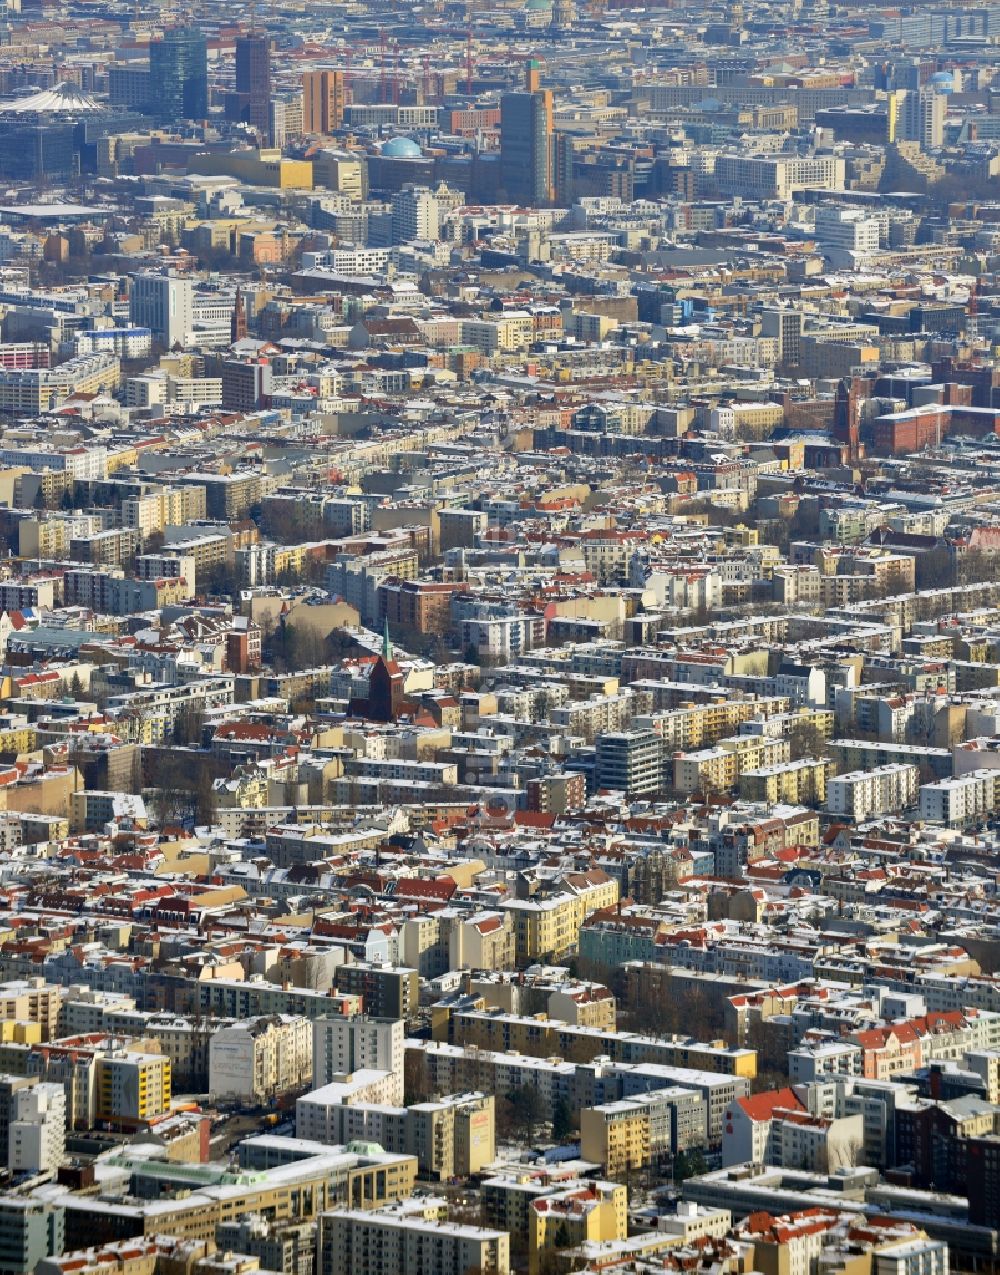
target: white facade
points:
(777, 176)
(36, 1141)
(127, 343)
(165, 305)
(320, 1115)
(343, 1046)
(809, 1063)
(958, 801)
(257, 1060)
(922, 1256)
(393, 1243)
(415, 215)
(863, 794)
(847, 237)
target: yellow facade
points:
(16, 1031)
(257, 168)
(545, 928)
(797, 783)
(18, 739)
(617, 1139)
(593, 1211)
(132, 1088)
(548, 1038)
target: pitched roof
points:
(762, 1106)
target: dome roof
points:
(942, 80)
(401, 148)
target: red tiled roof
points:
(762, 1106)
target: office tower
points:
(253, 78)
(923, 118)
(786, 328)
(323, 99)
(415, 214)
(178, 75)
(164, 304)
(285, 112)
(526, 142)
(912, 74)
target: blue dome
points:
(401, 148)
(943, 80)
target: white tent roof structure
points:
(63, 98)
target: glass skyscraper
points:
(526, 142)
(178, 74)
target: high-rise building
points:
(132, 1088)
(848, 238)
(164, 304)
(37, 1132)
(323, 101)
(922, 118)
(415, 214)
(178, 74)
(285, 112)
(526, 168)
(253, 78)
(341, 1046)
(630, 761)
(246, 384)
(30, 1231)
(785, 326)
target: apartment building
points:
(36, 1140)
(865, 794)
(718, 769)
(29, 391)
(398, 1242)
(258, 1061)
(629, 761)
(961, 800)
(512, 331)
(451, 1137)
(802, 782)
(132, 1087)
(635, 1133)
(385, 992)
(591, 1210)
(341, 1046)
(32, 1001)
